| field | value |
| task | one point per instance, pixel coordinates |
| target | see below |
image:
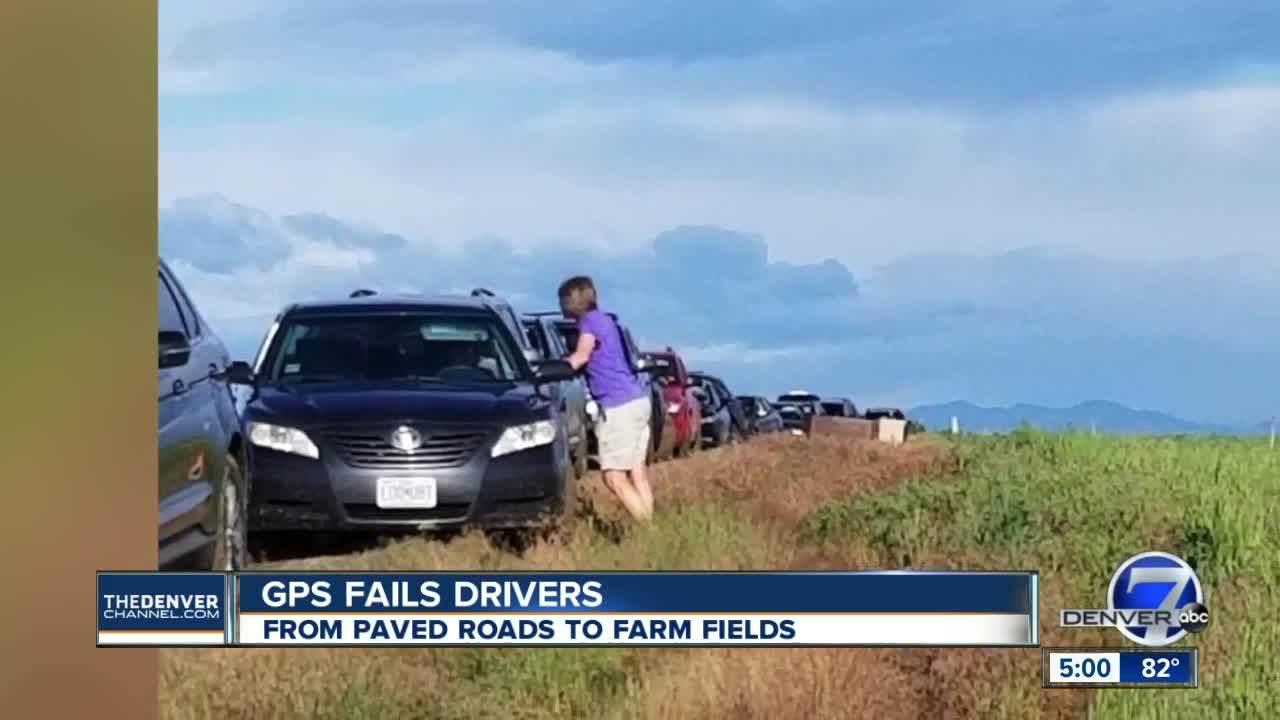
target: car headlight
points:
(673, 408)
(523, 437)
(282, 439)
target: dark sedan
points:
(798, 409)
(723, 421)
(405, 413)
(839, 407)
(761, 414)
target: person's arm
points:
(582, 353)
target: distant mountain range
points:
(1107, 417)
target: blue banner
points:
(162, 608)
(709, 592)
(1158, 667)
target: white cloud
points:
(1170, 174)
(1223, 120)
(741, 353)
(325, 255)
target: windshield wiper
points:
(306, 379)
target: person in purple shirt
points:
(622, 430)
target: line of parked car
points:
(407, 412)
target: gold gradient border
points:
(78, 209)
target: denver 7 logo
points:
(1155, 581)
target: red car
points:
(678, 398)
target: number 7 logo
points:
(1154, 568)
(1152, 575)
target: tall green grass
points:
(1074, 506)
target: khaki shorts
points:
(622, 435)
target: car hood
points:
(340, 404)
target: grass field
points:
(1071, 506)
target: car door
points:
(689, 407)
(191, 456)
(660, 423)
(772, 421)
(574, 391)
(719, 411)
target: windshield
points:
(788, 406)
(663, 369)
(800, 398)
(449, 349)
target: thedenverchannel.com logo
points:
(1154, 599)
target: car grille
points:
(440, 449)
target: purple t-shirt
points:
(609, 376)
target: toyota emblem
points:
(406, 439)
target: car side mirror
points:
(239, 373)
(175, 349)
(761, 413)
(553, 371)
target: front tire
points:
(563, 522)
(230, 550)
(580, 458)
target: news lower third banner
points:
(839, 609)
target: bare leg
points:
(640, 481)
(617, 481)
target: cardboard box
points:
(889, 431)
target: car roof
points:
(396, 303)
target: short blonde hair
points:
(577, 296)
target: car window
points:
(171, 319)
(534, 336)
(188, 309)
(452, 349)
(568, 333)
(713, 394)
(555, 343)
(663, 369)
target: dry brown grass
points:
(780, 479)
(734, 508)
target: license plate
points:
(406, 492)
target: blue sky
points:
(998, 201)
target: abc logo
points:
(1194, 618)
